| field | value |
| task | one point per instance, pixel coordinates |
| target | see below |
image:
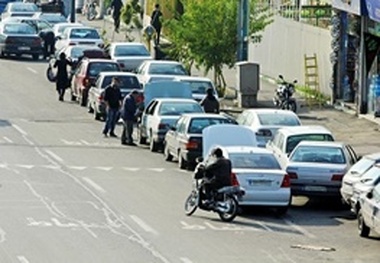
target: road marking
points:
(19, 129)
(80, 168)
(104, 168)
(160, 170)
(55, 156)
(94, 185)
(143, 225)
(26, 166)
(300, 229)
(186, 260)
(131, 169)
(70, 142)
(85, 142)
(3, 165)
(2, 235)
(51, 166)
(32, 70)
(22, 259)
(7, 139)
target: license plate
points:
(86, 43)
(315, 188)
(24, 48)
(259, 182)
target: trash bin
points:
(248, 84)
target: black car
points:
(19, 39)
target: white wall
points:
(282, 50)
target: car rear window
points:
(199, 87)
(96, 67)
(254, 161)
(24, 7)
(167, 69)
(131, 50)
(294, 140)
(318, 154)
(278, 119)
(198, 124)
(126, 82)
(19, 29)
(84, 33)
(179, 108)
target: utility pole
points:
(242, 30)
(72, 12)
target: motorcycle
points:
(223, 201)
(90, 11)
(283, 95)
(51, 73)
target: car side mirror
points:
(370, 195)
(199, 159)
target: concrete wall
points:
(282, 50)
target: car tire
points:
(153, 146)
(362, 227)
(90, 108)
(142, 140)
(182, 164)
(281, 210)
(36, 57)
(83, 100)
(168, 157)
(73, 97)
(97, 115)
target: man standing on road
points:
(62, 78)
(156, 23)
(116, 5)
(210, 103)
(128, 114)
(112, 98)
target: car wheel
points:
(97, 115)
(182, 164)
(142, 140)
(362, 227)
(90, 108)
(73, 97)
(83, 100)
(153, 146)
(168, 157)
(281, 210)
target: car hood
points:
(166, 89)
(227, 135)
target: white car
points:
(256, 169)
(355, 174)
(79, 36)
(369, 213)
(59, 28)
(266, 122)
(129, 55)
(19, 9)
(316, 168)
(199, 86)
(160, 67)
(287, 138)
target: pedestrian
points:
(116, 5)
(112, 99)
(128, 114)
(156, 23)
(210, 103)
(62, 78)
(49, 43)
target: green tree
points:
(131, 17)
(206, 34)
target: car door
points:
(172, 136)
(146, 117)
(353, 158)
(279, 150)
(376, 209)
(368, 207)
(95, 91)
(141, 71)
(181, 134)
(78, 77)
(153, 118)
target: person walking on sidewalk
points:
(210, 103)
(116, 5)
(128, 115)
(112, 98)
(62, 78)
(156, 23)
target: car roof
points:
(246, 149)
(322, 143)
(89, 47)
(274, 111)
(162, 62)
(373, 156)
(204, 115)
(116, 73)
(307, 129)
(174, 100)
(81, 27)
(193, 78)
(89, 60)
(127, 44)
(68, 23)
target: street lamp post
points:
(72, 12)
(242, 30)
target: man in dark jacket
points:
(210, 103)
(128, 115)
(220, 169)
(112, 98)
(156, 23)
(62, 79)
(116, 5)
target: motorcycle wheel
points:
(291, 105)
(233, 211)
(50, 75)
(91, 14)
(191, 203)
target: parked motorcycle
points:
(283, 95)
(224, 201)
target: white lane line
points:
(159, 170)
(19, 129)
(94, 185)
(26, 166)
(80, 168)
(186, 260)
(300, 229)
(131, 169)
(7, 139)
(143, 225)
(85, 142)
(2, 235)
(55, 156)
(103, 168)
(22, 259)
(32, 70)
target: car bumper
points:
(190, 156)
(346, 194)
(159, 137)
(16, 50)
(280, 197)
(315, 190)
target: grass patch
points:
(313, 96)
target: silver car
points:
(369, 213)
(317, 168)
(19, 9)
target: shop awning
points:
(350, 6)
(373, 9)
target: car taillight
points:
(191, 144)
(72, 44)
(162, 126)
(265, 133)
(100, 98)
(286, 181)
(292, 175)
(337, 177)
(234, 180)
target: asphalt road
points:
(69, 195)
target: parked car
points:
(316, 168)
(129, 55)
(40, 25)
(266, 122)
(160, 67)
(79, 36)
(85, 75)
(366, 183)
(51, 18)
(19, 9)
(96, 104)
(183, 141)
(369, 213)
(199, 86)
(159, 115)
(19, 39)
(287, 138)
(355, 174)
(59, 28)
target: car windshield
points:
(22, 29)
(126, 82)
(167, 69)
(179, 108)
(199, 87)
(254, 161)
(96, 67)
(361, 166)
(24, 7)
(294, 140)
(198, 124)
(53, 18)
(78, 51)
(131, 50)
(84, 33)
(318, 154)
(278, 119)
